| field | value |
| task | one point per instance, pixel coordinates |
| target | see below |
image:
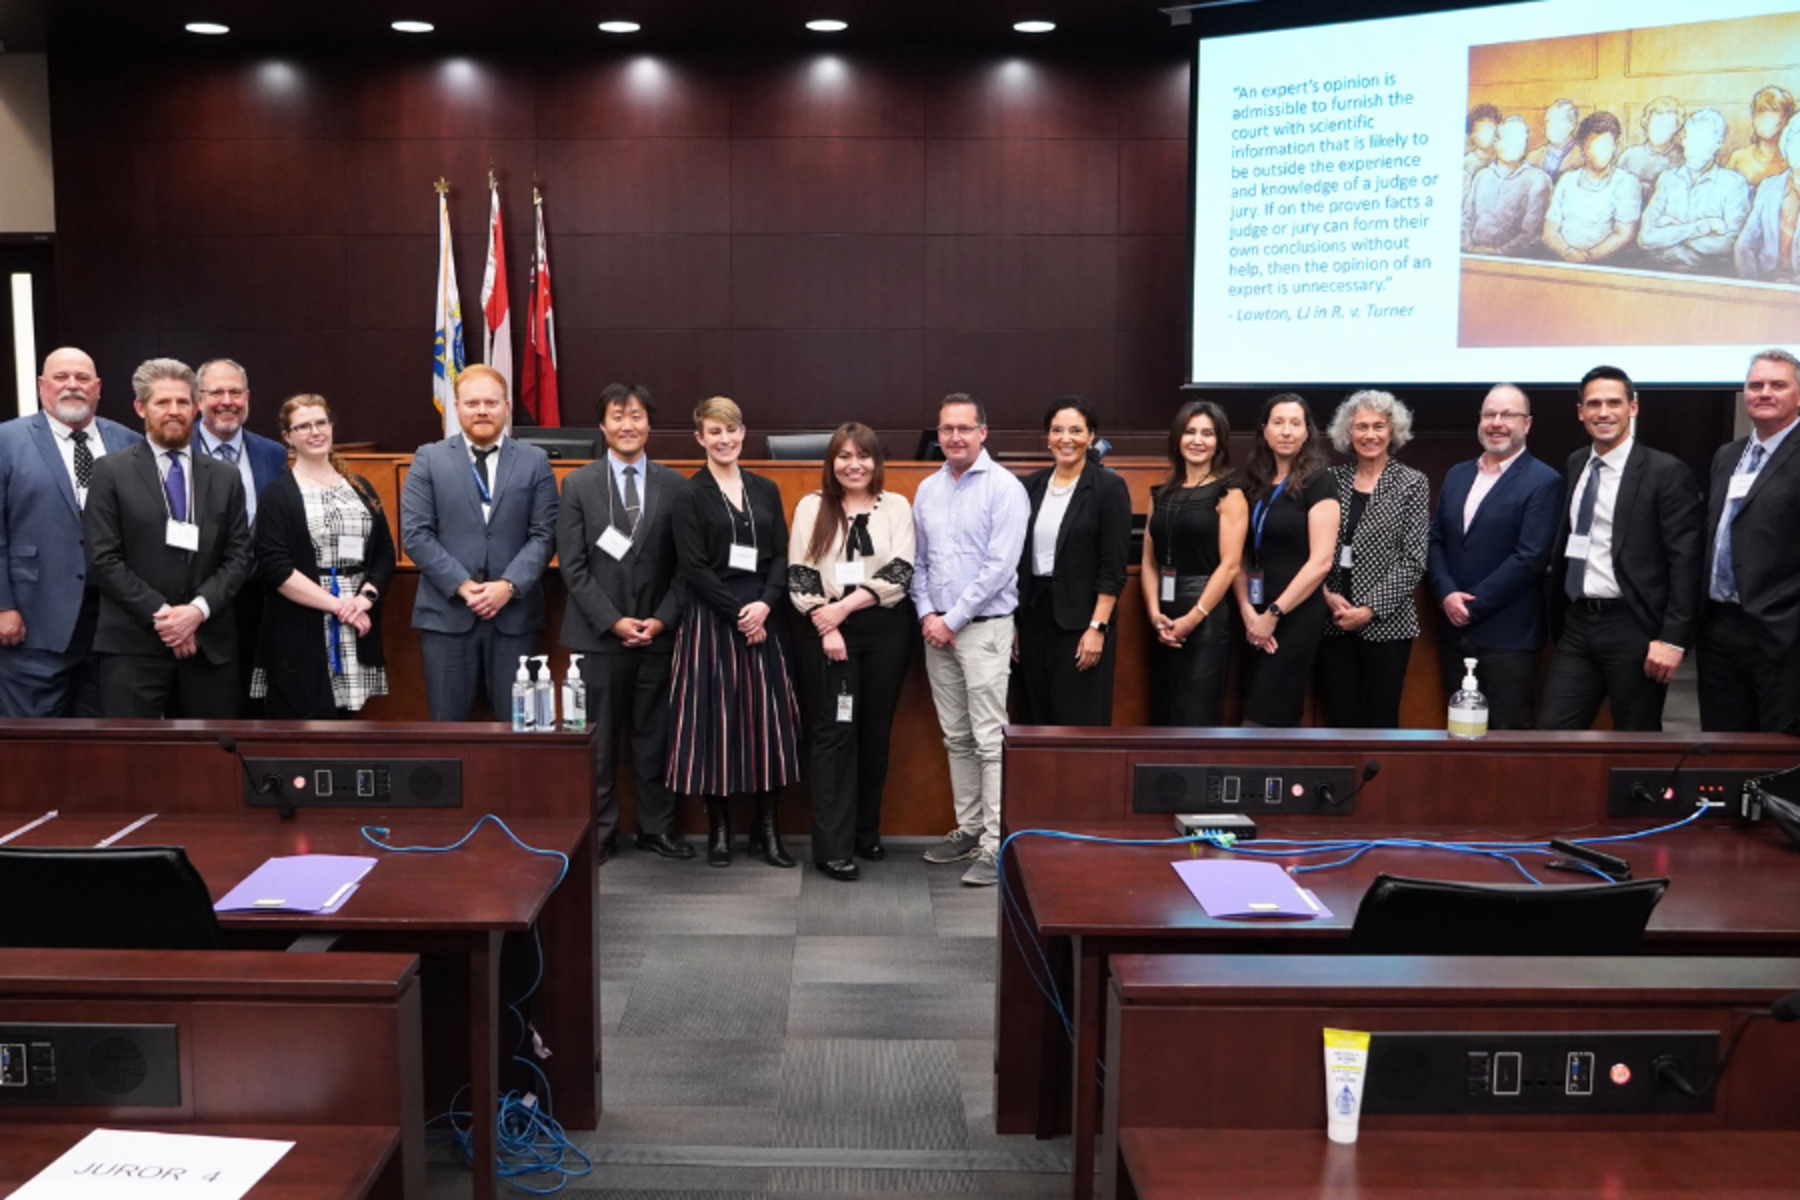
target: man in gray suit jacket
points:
(615, 541)
(478, 516)
(48, 606)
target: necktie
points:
(175, 484)
(84, 458)
(633, 506)
(1584, 524)
(226, 452)
(1724, 582)
(481, 469)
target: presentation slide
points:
(1511, 193)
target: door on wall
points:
(27, 309)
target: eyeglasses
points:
(310, 427)
(959, 431)
(1508, 417)
(222, 393)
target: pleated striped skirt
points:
(735, 719)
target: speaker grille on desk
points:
(116, 1066)
(1170, 788)
(427, 783)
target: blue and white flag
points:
(447, 348)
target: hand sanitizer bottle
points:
(524, 714)
(545, 696)
(574, 698)
(1468, 708)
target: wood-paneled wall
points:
(823, 236)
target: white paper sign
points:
(112, 1164)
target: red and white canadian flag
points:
(496, 308)
(538, 392)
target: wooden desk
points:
(347, 1162)
(1289, 1164)
(1734, 892)
(458, 904)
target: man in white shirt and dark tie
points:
(1626, 568)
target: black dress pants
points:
(1056, 692)
(161, 685)
(1362, 681)
(1746, 685)
(629, 692)
(1187, 686)
(1275, 684)
(1601, 657)
(850, 757)
(1508, 678)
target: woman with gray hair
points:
(1383, 524)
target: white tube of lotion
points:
(1346, 1066)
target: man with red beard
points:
(168, 547)
(48, 606)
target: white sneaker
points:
(955, 847)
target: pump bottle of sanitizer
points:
(1468, 708)
(524, 699)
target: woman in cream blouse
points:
(849, 567)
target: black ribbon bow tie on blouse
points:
(858, 538)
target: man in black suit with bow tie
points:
(1626, 568)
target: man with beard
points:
(168, 547)
(48, 607)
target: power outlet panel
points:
(1672, 799)
(1222, 788)
(358, 782)
(1599, 1072)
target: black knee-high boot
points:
(718, 832)
(765, 835)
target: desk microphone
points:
(1370, 770)
(271, 782)
(1644, 795)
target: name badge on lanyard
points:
(1168, 586)
(743, 558)
(1255, 579)
(1578, 545)
(613, 542)
(850, 574)
(1739, 487)
(182, 535)
(350, 547)
(1347, 557)
(846, 705)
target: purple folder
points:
(1239, 888)
(307, 883)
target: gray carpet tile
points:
(679, 1128)
(656, 914)
(641, 873)
(621, 953)
(887, 901)
(660, 1072)
(636, 1186)
(963, 912)
(886, 1095)
(614, 995)
(711, 987)
(841, 1182)
(890, 1010)
(893, 960)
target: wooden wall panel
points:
(819, 235)
(1153, 280)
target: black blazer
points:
(1762, 538)
(602, 588)
(1656, 540)
(1092, 544)
(703, 541)
(137, 572)
(290, 647)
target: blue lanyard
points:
(1261, 516)
(331, 643)
(487, 497)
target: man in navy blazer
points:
(1750, 622)
(1490, 542)
(478, 516)
(224, 407)
(48, 605)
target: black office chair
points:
(1435, 916)
(799, 446)
(114, 898)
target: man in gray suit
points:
(478, 516)
(615, 541)
(48, 606)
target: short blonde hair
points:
(482, 371)
(720, 409)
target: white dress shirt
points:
(493, 469)
(65, 446)
(186, 454)
(1600, 582)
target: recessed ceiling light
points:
(1034, 26)
(209, 27)
(619, 27)
(413, 26)
(827, 26)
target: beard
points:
(72, 410)
(168, 435)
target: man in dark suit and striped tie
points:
(1627, 569)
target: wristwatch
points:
(1275, 609)
(1099, 626)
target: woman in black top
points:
(732, 694)
(325, 554)
(1070, 575)
(1193, 547)
(1293, 530)
(1381, 547)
